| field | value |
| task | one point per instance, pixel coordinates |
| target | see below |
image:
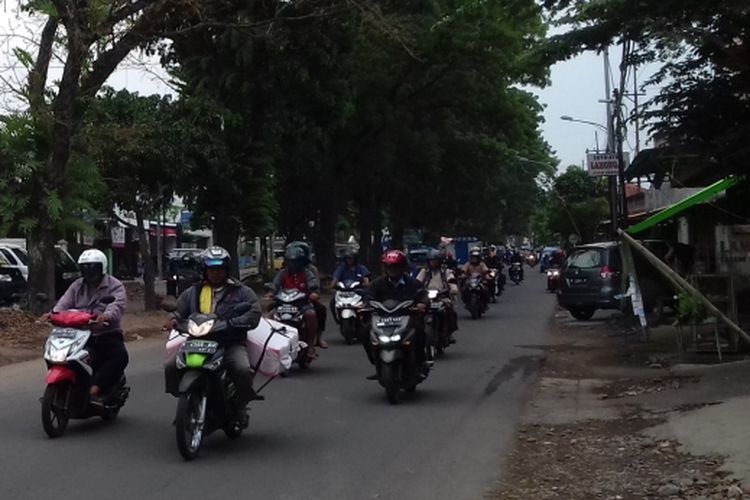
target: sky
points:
(576, 87)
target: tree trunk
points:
(149, 272)
(41, 248)
(397, 235)
(325, 241)
(226, 234)
(376, 246)
(365, 233)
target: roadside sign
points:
(600, 164)
(185, 218)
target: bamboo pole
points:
(680, 282)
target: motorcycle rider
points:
(320, 309)
(219, 294)
(517, 258)
(494, 261)
(476, 265)
(397, 284)
(349, 270)
(106, 345)
(437, 277)
(298, 275)
(557, 259)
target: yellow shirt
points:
(206, 302)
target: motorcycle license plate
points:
(66, 333)
(389, 321)
(287, 309)
(200, 347)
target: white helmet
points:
(89, 257)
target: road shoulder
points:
(610, 418)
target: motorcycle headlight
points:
(395, 338)
(5, 277)
(58, 355)
(384, 339)
(432, 294)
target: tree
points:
(703, 53)
(139, 144)
(91, 39)
(576, 205)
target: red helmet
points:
(394, 257)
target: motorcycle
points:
(392, 337)
(497, 280)
(288, 309)
(70, 367)
(205, 389)
(475, 296)
(553, 279)
(515, 273)
(435, 321)
(348, 302)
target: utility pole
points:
(611, 180)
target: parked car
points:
(591, 279)
(66, 269)
(12, 283)
(16, 257)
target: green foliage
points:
(577, 204)
(23, 193)
(138, 143)
(690, 310)
(702, 50)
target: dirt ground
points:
(22, 337)
(588, 443)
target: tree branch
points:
(142, 31)
(38, 74)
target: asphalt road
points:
(327, 433)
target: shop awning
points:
(673, 210)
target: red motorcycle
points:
(70, 368)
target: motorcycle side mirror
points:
(108, 299)
(169, 305)
(41, 297)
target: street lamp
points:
(571, 119)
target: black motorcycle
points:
(392, 335)
(475, 296)
(435, 321)
(205, 389)
(515, 273)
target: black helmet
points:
(216, 257)
(433, 254)
(351, 253)
(303, 245)
(295, 254)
